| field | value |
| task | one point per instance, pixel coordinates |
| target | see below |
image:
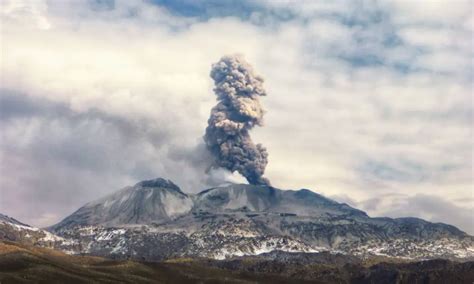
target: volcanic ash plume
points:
(238, 110)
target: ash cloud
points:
(238, 110)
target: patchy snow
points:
(21, 227)
(119, 247)
(410, 249)
(264, 246)
(48, 237)
(51, 238)
(37, 235)
(109, 235)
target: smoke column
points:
(238, 110)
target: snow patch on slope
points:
(265, 246)
(35, 234)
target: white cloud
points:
(431, 12)
(420, 205)
(25, 12)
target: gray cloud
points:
(237, 112)
(55, 157)
(432, 208)
(428, 207)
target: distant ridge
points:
(9, 219)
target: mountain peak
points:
(147, 202)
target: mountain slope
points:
(16, 231)
(147, 202)
(8, 219)
(268, 199)
(155, 220)
(25, 264)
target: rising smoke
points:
(238, 110)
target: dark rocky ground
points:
(21, 263)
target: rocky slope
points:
(155, 220)
(16, 231)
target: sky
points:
(369, 102)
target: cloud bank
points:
(98, 94)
